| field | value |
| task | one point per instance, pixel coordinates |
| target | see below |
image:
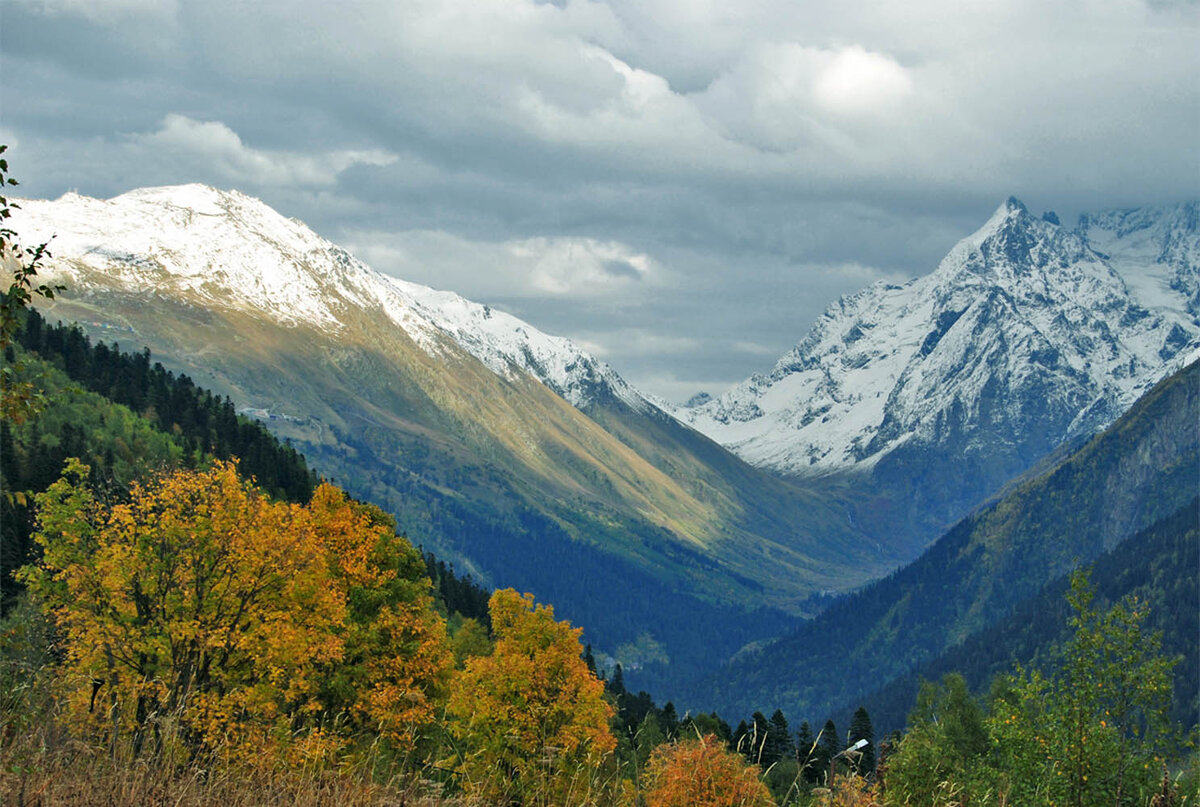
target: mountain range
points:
(530, 463)
(1028, 335)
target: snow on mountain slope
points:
(1026, 335)
(224, 248)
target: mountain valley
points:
(525, 461)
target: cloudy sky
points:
(679, 185)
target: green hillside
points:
(665, 546)
(1141, 470)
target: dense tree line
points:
(460, 595)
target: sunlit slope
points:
(371, 399)
(511, 452)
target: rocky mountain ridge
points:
(512, 453)
(1028, 334)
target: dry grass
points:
(45, 766)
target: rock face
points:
(1027, 336)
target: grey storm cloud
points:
(680, 186)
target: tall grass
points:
(42, 762)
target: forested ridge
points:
(1158, 565)
(124, 414)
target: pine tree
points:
(828, 747)
(759, 732)
(742, 742)
(779, 739)
(860, 729)
(616, 684)
(670, 720)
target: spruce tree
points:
(760, 731)
(828, 747)
(670, 720)
(616, 684)
(742, 742)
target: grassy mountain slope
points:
(1145, 467)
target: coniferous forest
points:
(192, 615)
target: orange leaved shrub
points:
(703, 773)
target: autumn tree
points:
(530, 719)
(703, 773)
(248, 623)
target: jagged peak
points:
(1010, 211)
(1181, 216)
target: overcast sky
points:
(681, 186)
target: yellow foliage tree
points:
(703, 773)
(530, 719)
(246, 622)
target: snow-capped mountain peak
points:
(1027, 334)
(226, 249)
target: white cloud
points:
(223, 150)
(565, 266)
(639, 342)
(535, 268)
(820, 107)
(763, 156)
(858, 81)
